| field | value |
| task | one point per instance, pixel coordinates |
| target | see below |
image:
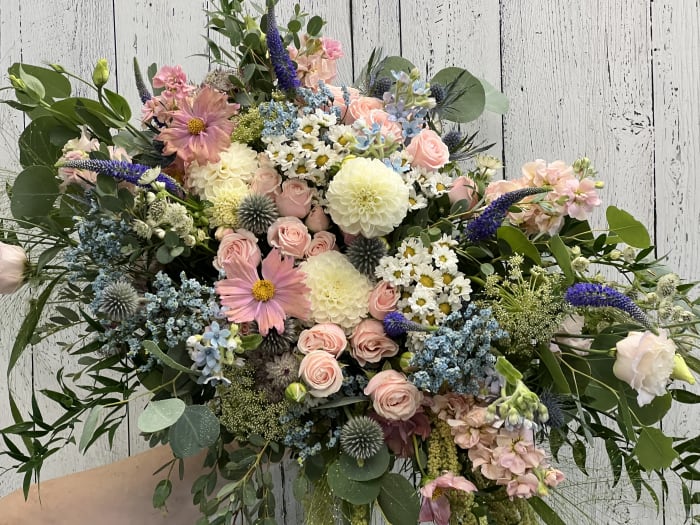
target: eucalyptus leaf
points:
(629, 229)
(519, 243)
(398, 500)
(466, 99)
(371, 468)
(160, 414)
(90, 426)
(393, 63)
(495, 101)
(355, 492)
(196, 429)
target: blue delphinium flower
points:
(123, 171)
(458, 353)
(598, 295)
(285, 71)
(485, 225)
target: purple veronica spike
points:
(121, 170)
(285, 71)
(485, 225)
(144, 94)
(396, 325)
(598, 295)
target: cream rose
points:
(645, 362)
(382, 300)
(428, 150)
(321, 242)
(321, 373)
(295, 199)
(13, 264)
(328, 337)
(370, 344)
(289, 235)
(393, 397)
(240, 243)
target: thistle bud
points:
(100, 74)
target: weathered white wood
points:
(676, 54)
(375, 25)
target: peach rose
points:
(240, 243)
(388, 128)
(428, 150)
(645, 362)
(321, 242)
(393, 397)
(295, 198)
(382, 300)
(360, 108)
(289, 235)
(370, 344)
(266, 181)
(321, 373)
(317, 220)
(328, 337)
(13, 264)
(463, 188)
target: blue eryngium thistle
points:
(598, 295)
(121, 170)
(285, 71)
(396, 325)
(485, 225)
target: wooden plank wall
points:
(612, 79)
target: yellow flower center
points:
(321, 160)
(447, 278)
(445, 308)
(263, 290)
(195, 126)
(426, 281)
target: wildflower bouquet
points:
(334, 274)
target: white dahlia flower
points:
(238, 162)
(367, 197)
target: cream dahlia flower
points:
(339, 293)
(367, 197)
(238, 162)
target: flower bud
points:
(681, 371)
(295, 392)
(615, 255)
(405, 362)
(13, 267)
(100, 74)
(18, 83)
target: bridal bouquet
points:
(296, 270)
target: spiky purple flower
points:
(144, 94)
(598, 295)
(485, 225)
(121, 170)
(285, 71)
(396, 325)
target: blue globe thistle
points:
(119, 301)
(438, 92)
(364, 254)
(361, 438)
(256, 213)
(452, 139)
(380, 86)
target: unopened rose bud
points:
(295, 392)
(100, 74)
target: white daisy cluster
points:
(431, 285)
(318, 143)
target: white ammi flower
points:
(367, 197)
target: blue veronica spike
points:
(485, 225)
(144, 94)
(598, 295)
(121, 170)
(396, 325)
(285, 71)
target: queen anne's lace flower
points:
(339, 293)
(367, 197)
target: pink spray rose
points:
(240, 243)
(382, 300)
(289, 235)
(295, 198)
(428, 150)
(370, 344)
(321, 242)
(328, 337)
(360, 108)
(463, 188)
(266, 181)
(644, 361)
(317, 220)
(321, 373)
(13, 264)
(393, 397)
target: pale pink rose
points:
(321, 242)
(360, 108)
(290, 235)
(383, 300)
(645, 361)
(332, 48)
(295, 198)
(428, 150)
(266, 181)
(13, 264)
(393, 397)
(390, 129)
(463, 188)
(240, 243)
(317, 220)
(370, 344)
(321, 373)
(328, 337)
(339, 99)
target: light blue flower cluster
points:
(458, 353)
(320, 99)
(279, 118)
(212, 350)
(408, 104)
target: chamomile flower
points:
(393, 271)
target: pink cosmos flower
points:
(200, 128)
(268, 301)
(436, 506)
